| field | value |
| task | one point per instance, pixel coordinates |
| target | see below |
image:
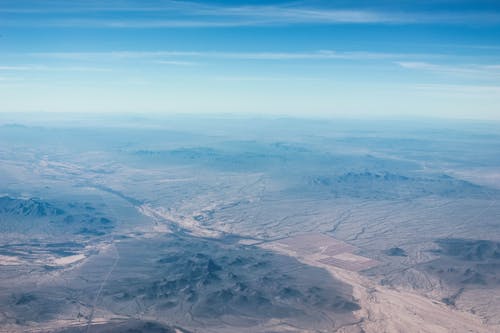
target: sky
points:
(392, 58)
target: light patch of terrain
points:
(10, 260)
(170, 219)
(484, 176)
(326, 250)
(387, 309)
(391, 310)
(63, 261)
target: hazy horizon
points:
(314, 58)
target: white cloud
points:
(176, 63)
(48, 68)
(197, 14)
(313, 55)
(265, 78)
(16, 68)
(5, 79)
(465, 69)
(454, 89)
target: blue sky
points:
(301, 58)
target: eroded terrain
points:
(249, 225)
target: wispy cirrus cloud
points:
(177, 63)
(85, 6)
(409, 61)
(310, 55)
(10, 79)
(49, 68)
(477, 90)
(266, 78)
(14, 68)
(183, 14)
(490, 70)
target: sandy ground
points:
(69, 259)
(10, 260)
(389, 310)
(161, 215)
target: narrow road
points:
(101, 286)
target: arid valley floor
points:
(131, 224)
